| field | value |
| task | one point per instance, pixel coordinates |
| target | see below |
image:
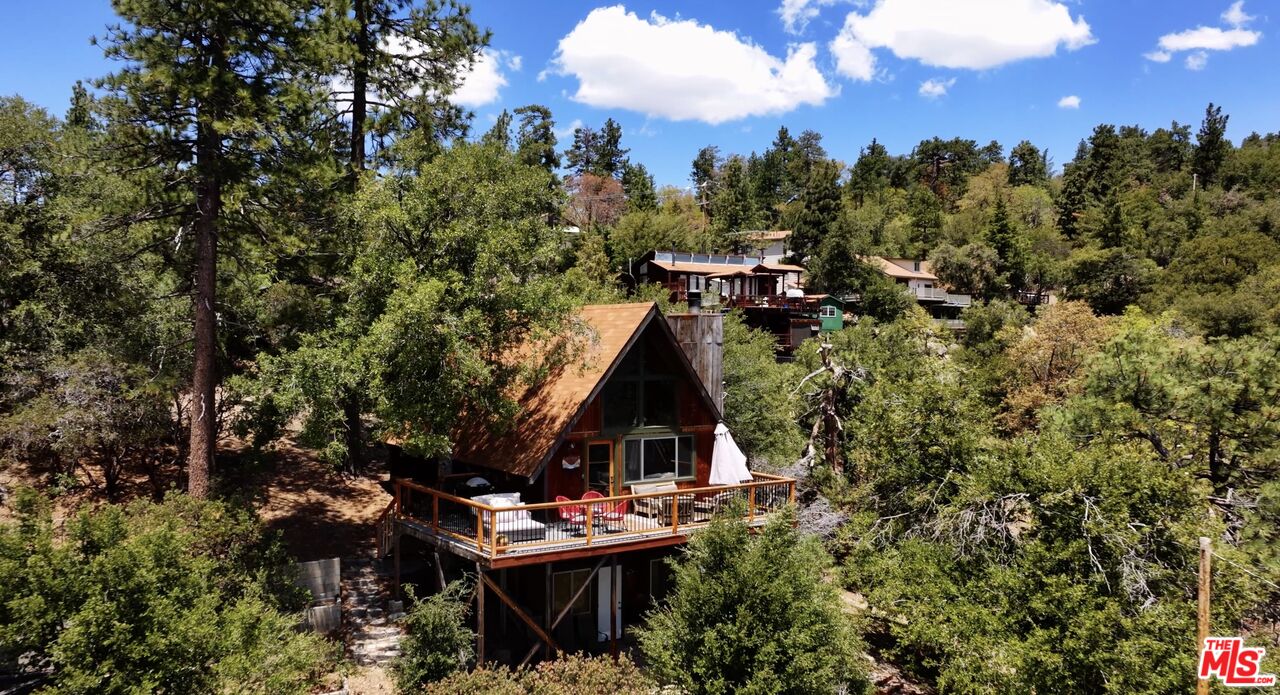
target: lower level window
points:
(564, 585)
(658, 458)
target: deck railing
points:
(492, 531)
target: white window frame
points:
(827, 312)
(693, 458)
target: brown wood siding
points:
(591, 418)
(562, 481)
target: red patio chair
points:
(616, 515)
(573, 515)
(593, 509)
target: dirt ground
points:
(320, 512)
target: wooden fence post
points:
(1202, 610)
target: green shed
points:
(830, 312)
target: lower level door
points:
(603, 597)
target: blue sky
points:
(681, 75)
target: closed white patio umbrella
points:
(728, 463)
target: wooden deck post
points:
(675, 514)
(515, 608)
(567, 607)
(439, 569)
(395, 549)
(480, 582)
(546, 614)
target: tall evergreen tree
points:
(1212, 145)
(611, 156)
(1004, 239)
(821, 209)
(500, 132)
(731, 209)
(1170, 149)
(637, 185)
(536, 137)
(580, 158)
(206, 91)
(1027, 165)
(402, 59)
(706, 166)
(870, 174)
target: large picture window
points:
(641, 393)
(657, 458)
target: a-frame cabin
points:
(572, 509)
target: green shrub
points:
(184, 596)
(438, 642)
(752, 613)
(572, 675)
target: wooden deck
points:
(498, 537)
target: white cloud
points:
(515, 62)
(1202, 39)
(853, 58)
(483, 83)
(1069, 102)
(1197, 60)
(1209, 38)
(566, 132)
(1235, 15)
(796, 14)
(950, 34)
(682, 70)
(936, 87)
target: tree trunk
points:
(1217, 469)
(359, 87)
(204, 376)
(355, 433)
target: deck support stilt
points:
(435, 555)
(510, 604)
(480, 582)
(565, 611)
(546, 614)
(614, 579)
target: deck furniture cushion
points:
(660, 507)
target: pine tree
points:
(706, 165)
(1001, 236)
(536, 138)
(637, 184)
(1027, 165)
(821, 209)
(1212, 145)
(402, 60)
(500, 133)
(205, 88)
(580, 158)
(870, 174)
(731, 209)
(610, 156)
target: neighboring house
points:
(769, 245)
(830, 311)
(631, 422)
(917, 278)
(727, 280)
(769, 294)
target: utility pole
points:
(1202, 610)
